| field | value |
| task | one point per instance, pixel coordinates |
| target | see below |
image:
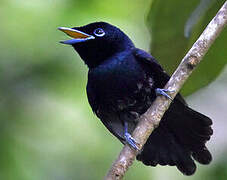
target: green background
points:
(47, 129)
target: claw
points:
(164, 92)
(131, 141)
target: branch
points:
(151, 119)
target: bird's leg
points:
(163, 92)
(128, 138)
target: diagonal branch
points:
(150, 119)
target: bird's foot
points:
(131, 141)
(164, 92)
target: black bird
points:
(123, 81)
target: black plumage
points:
(122, 80)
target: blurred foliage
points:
(48, 130)
(220, 170)
(175, 26)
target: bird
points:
(123, 81)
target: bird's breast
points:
(116, 77)
(120, 84)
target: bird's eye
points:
(99, 32)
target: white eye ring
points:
(99, 32)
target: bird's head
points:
(97, 41)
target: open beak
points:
(78, 36)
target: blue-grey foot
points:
(163, 92)
(129, 139)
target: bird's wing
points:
(147, 58)
(155, 69)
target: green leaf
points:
(167, 21)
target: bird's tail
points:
(180, 138)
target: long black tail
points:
(180, 138)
